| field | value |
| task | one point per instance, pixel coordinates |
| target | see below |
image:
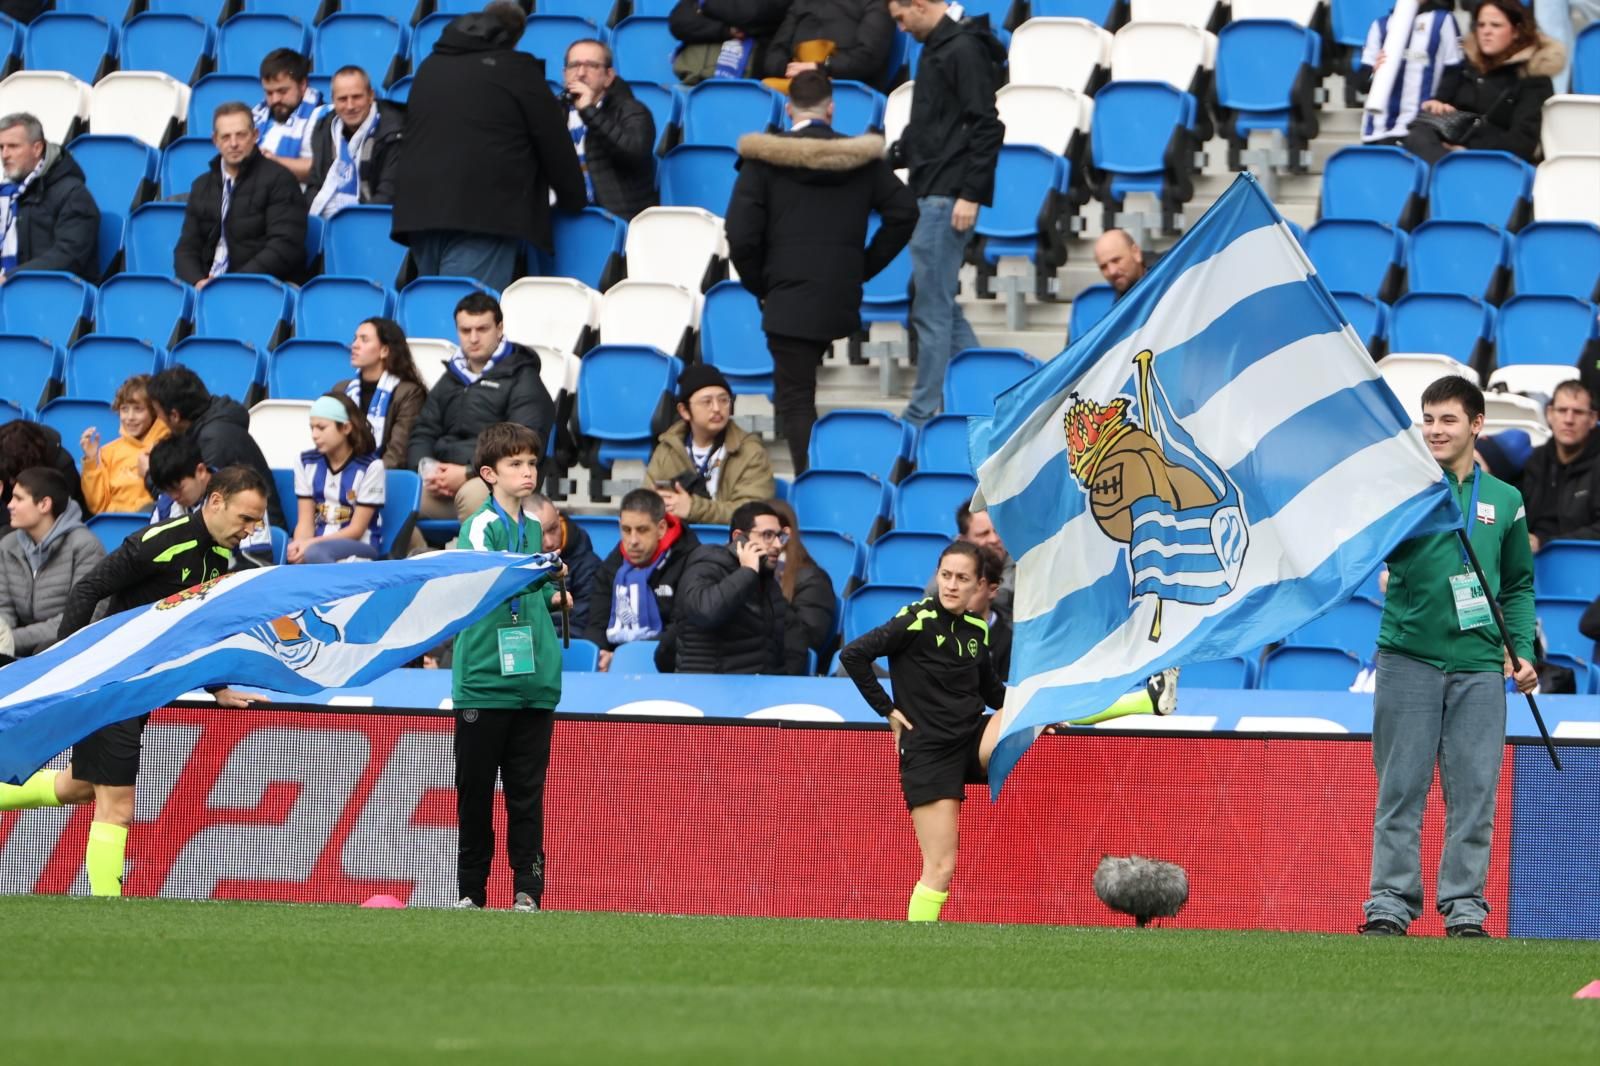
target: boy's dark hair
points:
(964, 548)
(361, 439)
(179, 390)
(477, 303)
(1455, 387)
(502, 440)
(645, 502)
(281, 61)
(46, 483)
(809, 90)
(744, 517)
(232, 480)
(172, 460)
(24, 444)
(991, 567)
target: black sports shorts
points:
(940, 770)
(110, 755)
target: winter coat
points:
(223, 434)
(485, 141)
(746, 471)
(266, 222)
(797, 226)
(405, 407)
(380, 155)
(1563, 499)
(952, 140)
(812, 613)
(713, 21)
(619, 150)
(583, 565)
(729, 619)
(665, 580)
(475, 677)
(861, 30)
(35, 579)
(455, 412)
(112, 481)
(58, 224)
(1510, 97)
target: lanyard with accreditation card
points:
(515, 641)
(1472, 605)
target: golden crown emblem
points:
(1092, 429)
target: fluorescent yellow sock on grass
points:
(1132, 703)
(37, 791)
(103, 858)
(925, 904)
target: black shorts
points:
(940, 770)
(110, 755)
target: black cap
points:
(700, 376)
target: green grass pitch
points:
(141, 981)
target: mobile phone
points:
(741, 540)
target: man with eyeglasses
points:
(614, 134)
(730, 609)
(1561, 482)
(705, 467)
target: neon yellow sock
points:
(1133, 703)
(103, 857)
(925, 904)
(37, 791)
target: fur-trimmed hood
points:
(836, 155)
(1543, 58)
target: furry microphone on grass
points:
(1144, 888)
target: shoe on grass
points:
(465, 904)
(1382, 927)
(1468, 930)
(1162, 689)
(525, 903)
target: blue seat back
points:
(245, 39)
(942, 446)
(114, 527)
(857, 108)
(1586, 61)
(1368, 316)
(14, 412)
(698, 175)
(1561, 634)
(172, 44)
(927, 502)
(97, 365)
(1558, 259)
(303, 11)
(1373, 182)
(549, 36)
(150, 307)
(1441, 323)
(905, 558)
(635, 657)
(665, 104)
(70, 417)
(1351, 626)
(1088, 308)
(402, 500)
(182, 162)
(207, 11)
(886, 296)
(11, 37)
(47, 304)
(977, 376)
(1349, 21)
(115, 169)
(1461, 257)
(839, 556)
(1478, 186)
(1543, 329)
(303, 369)
(28, 366)
(843, 501)
(720, 111)
(869, 442)
(228, 367)
(585, 245)
(77, 44)
(332, 306)
(731, 338)
(426, 34)
(247, 307)
(1567, 570)
(1026, 178)
(214, 90)
(153, 231)
(870, 606)
(1354, 255)
(618, 387)
(1134, 122)
(399, 92)
(1294, 668)
(602, 529)
(642, 48)
(371, 42)
(1258, 62)
(1098, 12)
(580, 656)
(356, 241)
(427, 307)
(1237, 672)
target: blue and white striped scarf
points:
(378, 410)
(460, 368)
(10, 193)
(286, 138)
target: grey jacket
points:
(36, 578)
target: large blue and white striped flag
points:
(1212, 466)
(291, 629)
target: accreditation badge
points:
(516, 650)
(1472, 606)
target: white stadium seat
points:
(279, 427)
(1570, 126)
(674, 244)
(558, 370)
(54, 97)
(430, 354)
(1162, 51)
(1565, 189)
(1532, 377)
(138, 103)
(648, 312)
(1302, 11)
(550, 312)
(897, 112)
(1509, 407)
(1044, 115)
(1062, 52)
(1408, 373)
(1197, 13)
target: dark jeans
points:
(491, 260)
(794, 395)
(516, 743)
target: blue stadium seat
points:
(1457, 326)
(588, 247)
(302, 369)
(253, 308)
(720, 111)
(665, 104)
(1351, 626)
(427, 307)
(402, 500)
(70, 417)
(1495, 188)
(400, 91)
(12, 34)
(47, 304)
(654, 8)
(13, 412)
(1469, 258)
(867, 442)
(356, 241)
(886, 296)
(698, 175)
(839, 556)
(602, 530)
(114, 527)
(97, 366)
(426, 34)
(548, 37)
(375, 43)
(581, 656)
(1379, 183)
(1559, 618)
(1088, 308)
(857, 108)
(927, 502)
(116, 169)
(870, 606)
(635, 657)
(1237, 672)
(1131, 140)
(1543, 329)
(1352, 255)
(1558, 259)
(332, 306)
(1586, 61)
(29, 369)
(1266, 72)
(302, 11)
(151, 307)
(228, 367)
(178, 45)
(153, 231)
(642, 48)
(182, 162)
(976, 376)
(399, 10)
(618, 388)
(1296, 668)
(1369, 317)
(283, 485)
(1099, 12)
(1030, 186)
(732, 341)
(905, 558)
(1567, 570)
(81, 45)
(245, 39)
(942, 446)
(1349, 21)
(841, 501)
(110, 236)
(216, 89)
(207, 11)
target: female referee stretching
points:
(939, 663)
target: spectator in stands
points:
(705, 467)
(49, 220)
(1120, 260)
(731, 612)
(339, 485)
(355, 148)
(1503, 80)
(840, 38)
(950, 146)
(635, 587)
(218, 425)
(813, 608)
(1561, 481)
(113, 475)
(47, 551)
(486, 146)
(723, 38)
(797, 234)
(561, 534)
(182, 481)
(387, 388)
(993, 569)
(24, 444)
(283, 119)
(489, 380)
(975, 527)
(1432, 46)
(245, 214)
(613, 133)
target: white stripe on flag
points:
(1169, 550)
(1199, 579)
(1073, 557)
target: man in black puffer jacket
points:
(218, 425)
(729, 617)
(57, 225)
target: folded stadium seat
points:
(207, 11)
(245, 38)
(356, 241)
(1558, 259)
(57, 99)
(1067, 53)
(642, 48)
(1408, 373)
(1107, 13)
(665, 104)
(870, 606)
(698, 175)
(1570, 125)
(120, 171)
(1309, 669)
(1353, 255)
(176, 45)
(253, 308)
(1543, 329)
(330, 307)
(875, 443)
(84, 46)
(1379, 183)
(1028, 218)
(51, 305)
(375, 43)
(70, 417)
(1567, 570)
(900, 557)
(1530, 378)
(280, 428)
(549, 36)
(1586, 61)
(1494, 188)
(653, 313)
(425, 34)
(30, 370)
(720, 111)
(1563, 189)
(97, 365)
(427, 306)
(1237, 672)
(559, 313)
(1088, 308)
(848, 502)
(114, 527)
(228, 367)
(1268, 73)
(1469, 258)
(1369, 317)
(1048, 116)
(976, 376)
(942, 446)
(840, 556)
(1303, 12)
(152, 307)
(886, 296)
(1458, 326)
(183, 161)
(1351, 626)
(897, 111)
(149, 105)
(1143, 140)
(1559, 619)
(153, 231)
(579, 656)
(12, 412)
(679, 245)
(732, 341)
(619, 386)
(634, 657)
(1178, 54)
(588, 247)
(216, 89)
(857, 108)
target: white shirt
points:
(360, 482)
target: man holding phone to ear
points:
(730, 609)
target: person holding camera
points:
(705, 467)
(730, 611)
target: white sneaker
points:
(525, 903)
(1163, 690)
(465, 904)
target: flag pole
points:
(566, 613)
(1505, 638)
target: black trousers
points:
(516, 745)
(794, 396)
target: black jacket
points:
(455, 412)
(266, 222)
(693, 22)
(160, 562)
(485, 142)
(1510, 98)
(797, 226)
(222, 432)
(861, 31)
(380, 156)
(58, 224)
(665, 580)
(1563, 499)
(729, 618)
(953, 138)
(812, 614)
(619, 150)
(577, 551)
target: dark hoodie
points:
(58, 224)
(953, 138)
(1563, 499)
(222, 433)
(456, 412)
(797, 226)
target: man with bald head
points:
(1120, 261)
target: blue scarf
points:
(285, 138)
(579, 133)
(634, 614)
(378, 410)
(734, 57)
(10, 193)
(460, 368)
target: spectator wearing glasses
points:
(730, 613)
(705, 467)
(1561, 482)
(614, 134)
